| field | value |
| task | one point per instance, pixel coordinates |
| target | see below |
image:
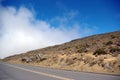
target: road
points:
(23, 72)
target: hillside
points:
(98, 53)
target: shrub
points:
(69, 61)
(65, 60)
(81, 49)
(109, 43)
(99, 51)
(86, 45)
(114, 49)
(92, 63)
(67, 48)
(94, 44)
(112, 36)
(118, 44)
(89, 60)
(100, 61)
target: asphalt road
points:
(22, 72)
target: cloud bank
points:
(20, 31)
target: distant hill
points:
(98, 53)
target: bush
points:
(94, 44)
(99, 51)
(67, 48)
(112, 36)
(114, 49)
(118, 44)
(81, 48)
(65, 60)
(100, 61)
(89, 60)
(69, 61)
(92, 63)
(109, 43)
(86, 45)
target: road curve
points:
(23, 72)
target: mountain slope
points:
(97, 53)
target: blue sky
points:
(31, 24)
(102, 14)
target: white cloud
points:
(66, 18)
(21, 32)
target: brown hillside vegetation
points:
(97, 53)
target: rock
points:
(40, 57)
(108, 66)
(26, 59)
(33, 58)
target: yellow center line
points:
(41, 73)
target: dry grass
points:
(98, 53)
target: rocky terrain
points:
(97, 53)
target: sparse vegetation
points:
(109, 43)
(114, 54)
(82, 48)
(114, 49)
(98, 53)
(99, 61)
(65, 60)
(112, 36)
(94, 44)
(89, 60)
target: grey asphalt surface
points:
(23, 72)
